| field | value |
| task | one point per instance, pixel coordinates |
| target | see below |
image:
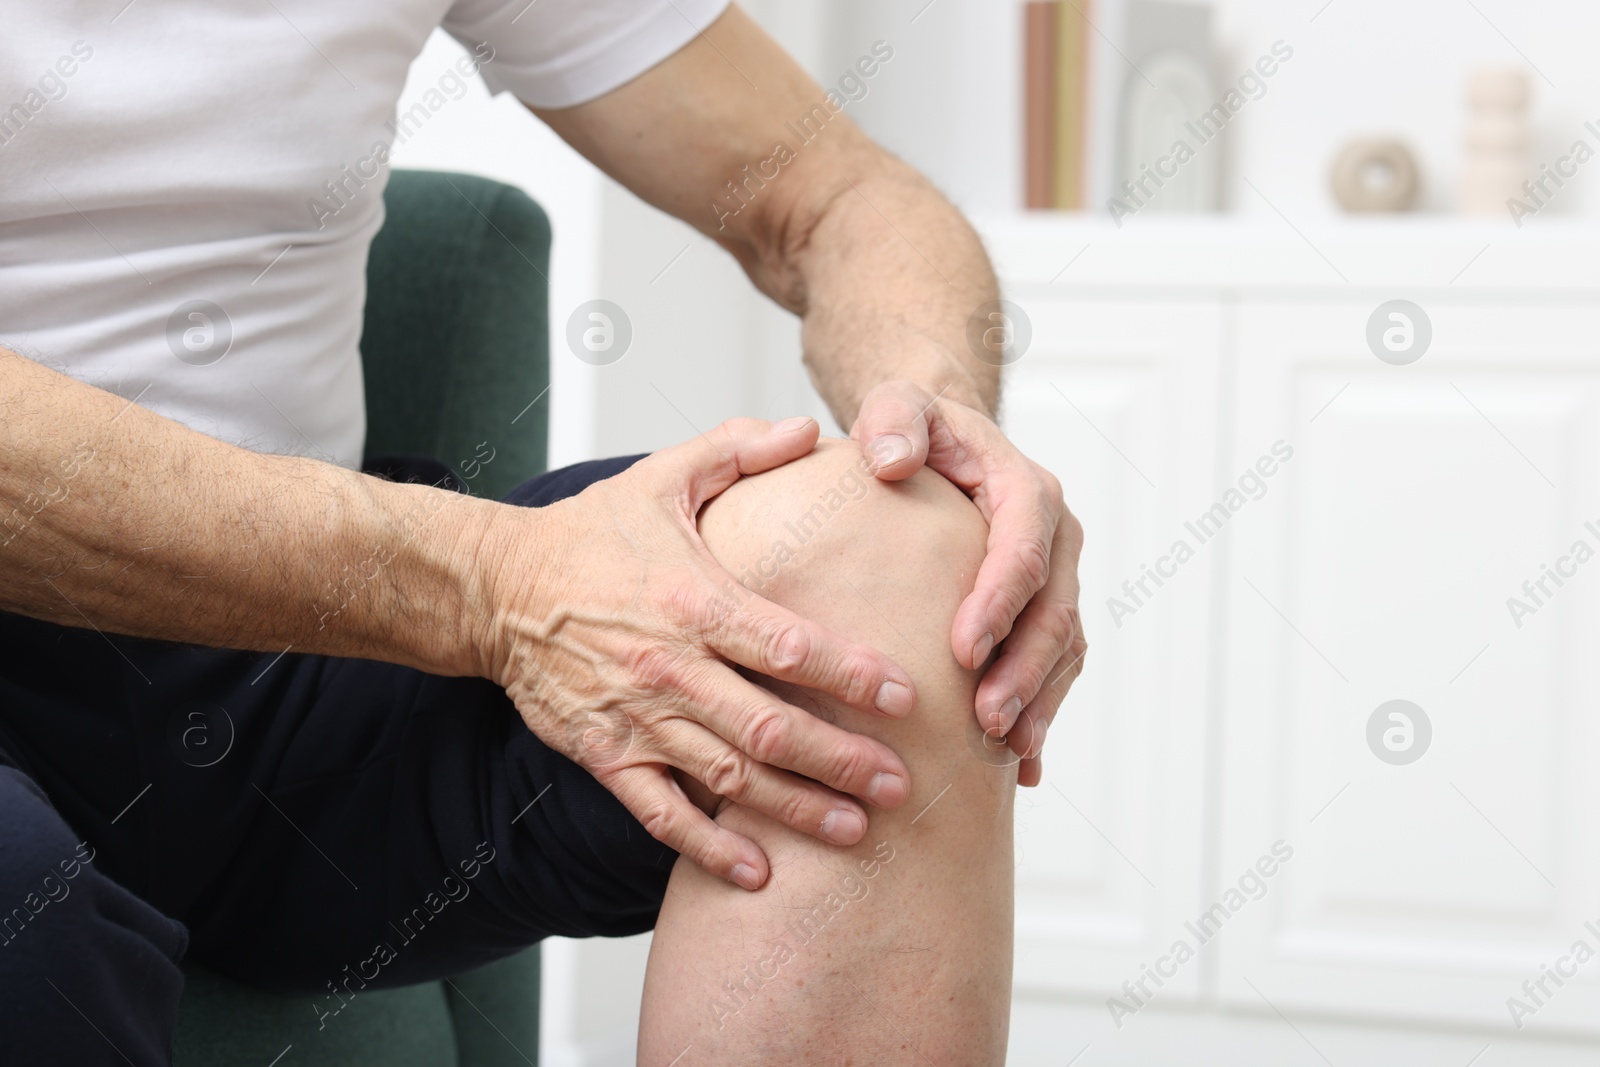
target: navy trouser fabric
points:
(301, 822)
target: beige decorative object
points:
(1375, 175)
(1497, 141)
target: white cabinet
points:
(1119, 399)
(1356, 531)
(1419, 499)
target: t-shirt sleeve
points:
(558, 53)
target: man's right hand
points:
(604, 616)
(617, 635)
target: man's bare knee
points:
(914, 920)
(886, 563)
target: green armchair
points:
(455, 348)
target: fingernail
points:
(843, 826)
(746, 876)
(1041, 727)
(886, 790)
(792, 425)
(981, 650)
(890, 449)
(1004, 716)
(893, 699)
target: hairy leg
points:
(897, 949)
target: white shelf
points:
(1435, 254)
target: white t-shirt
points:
(162, 167)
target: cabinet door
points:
(1431, 875)
(1118, 398)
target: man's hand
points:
(1026, 599)
(616, 633)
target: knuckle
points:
(1050, 487)
(795, 809)
(1080, 656)
(1033, 556)
(652, 668)
(730, 435)
(1049, 702)
(660, 821)
(859, 681)
(1069, 670)
(851, 764)
(785, 647)
(651, 731)
(1061, 623)
(723, 604)
(728, 776)
(1070, 524)
(1034, 675)
(769, 736)
(683, 603)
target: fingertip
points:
(746, 877)
(891, 455)
(981, 648)
(895, 698)
(1028, 736)
(1030, 772)
(997, 717)
(888, 790)
(968, 631)
(844, 826)
(794, 437)
(750, 870)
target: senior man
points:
(566, 698)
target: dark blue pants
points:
(292, 820)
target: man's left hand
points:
(1025, 600)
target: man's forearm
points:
(892, 274)
(114, 517)
(883, 269)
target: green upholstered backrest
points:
(456, 343)
(455, 348)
